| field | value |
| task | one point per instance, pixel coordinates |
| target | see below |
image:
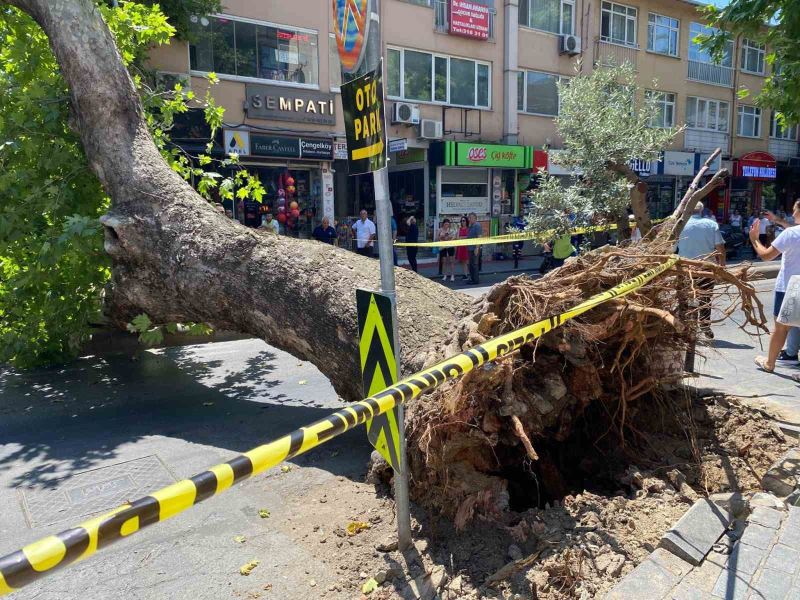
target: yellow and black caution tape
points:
(508, 238)
(78, 543)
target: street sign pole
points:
(358, 37)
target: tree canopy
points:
(775, 23)
(606, 120)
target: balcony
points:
(441, 11)
(783, 149)
(609, 54)
(710, 73)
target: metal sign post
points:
(358, 40)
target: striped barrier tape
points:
(508, 238)
(78, 543)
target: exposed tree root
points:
(467, 439)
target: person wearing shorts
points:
(787, 245)
(448, 254)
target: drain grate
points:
(93, 491)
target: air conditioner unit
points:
(430, 129)
(569, 44)
(405, 112)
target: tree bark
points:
(638, 198)
(177, 259)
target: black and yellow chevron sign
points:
(378, 369)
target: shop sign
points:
(540, 160)
(362, 103)
(412, 155)
(678, 163)
(339, 150)
(286, 104)
(351, 25)
(236, 141)
(702, 157)
(758, 165)
(459, 205)
(290, 147)
(469, 19)
(327, 193)
(640, 167)
(398, 145)
(316, 148)
(463, 154)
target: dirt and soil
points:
(621, 499)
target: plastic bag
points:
(790, 309)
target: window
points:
(699, 54)
(334, 65)
(749, 121)
(425, 77)
(618, 24)
(662, 34)
(555, 16)
(537, 93)
(665, 103)
(245, 49)
(781, 131)
(752, 59)
(702, 113)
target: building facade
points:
(471, 96)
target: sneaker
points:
(783, 357)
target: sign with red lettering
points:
(469, 19)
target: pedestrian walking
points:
(701, 238)
(474, 231)
(736, 220)
(787, 246)
(412, 237)
(365, 234)
(325, 233)
(448, 254)
(462, 254)
(763, 230)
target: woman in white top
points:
(787, 245)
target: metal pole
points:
(383, 215)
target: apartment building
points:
(471, 95)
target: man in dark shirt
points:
(474, 231)
(325, 233)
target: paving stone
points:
(732, 586)
(781, 477)
(790, 536)
(705, 576)
(686, 591)
(735, 502)
(653, 578)
(768, 517)
(692, 537)
(766, 499)
(745, 559)
(783, 558)
(758, 535)
(772, 585)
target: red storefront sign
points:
(539, 161)
(757, 165)
(469, 19)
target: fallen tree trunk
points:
(177, 259)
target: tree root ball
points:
(472, 441)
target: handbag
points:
(790, 308)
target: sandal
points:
(761, 363)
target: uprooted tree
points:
(177, 259)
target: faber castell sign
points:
(362, 103)
(286, 104)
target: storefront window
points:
(464, 191)
(660, 198)
(229, 46)
(407, 190)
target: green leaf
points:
(369, 586)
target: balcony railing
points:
(441, 10)
(710, 73)
(609, 54)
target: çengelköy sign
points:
(351, 25)
(469, 19)
(362, 103)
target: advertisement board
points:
(469, 19)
